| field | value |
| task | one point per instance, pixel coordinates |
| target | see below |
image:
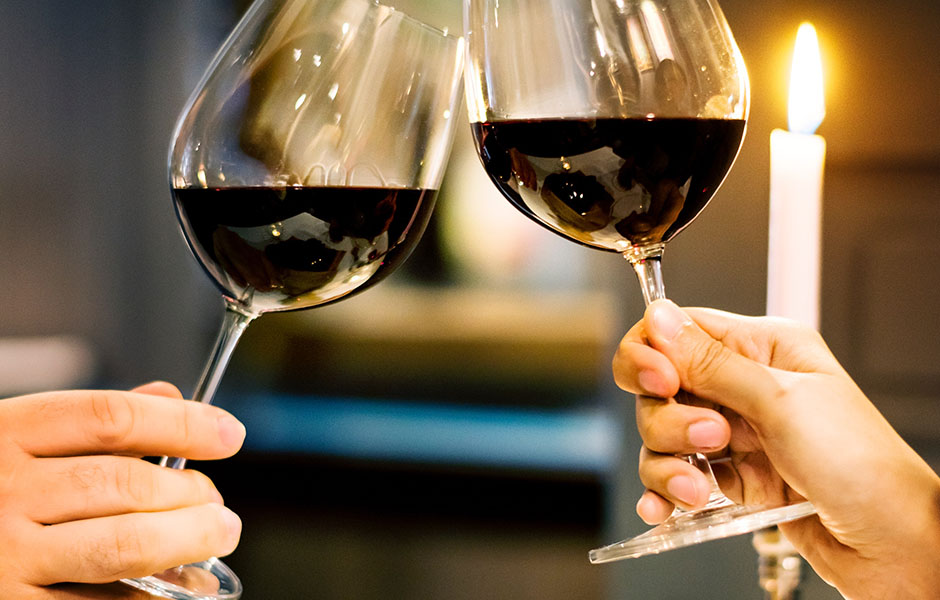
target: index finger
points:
(707, 367)
(70, 423)
(641, 369)
(775, 342)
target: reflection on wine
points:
(280, 248)
(610, 183)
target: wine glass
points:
(304, 169)
(612, 123)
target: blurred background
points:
(454, 432)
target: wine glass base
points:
(205, 580)
(689, 528)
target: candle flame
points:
(807, 104)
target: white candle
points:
(797, 159)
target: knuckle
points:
(136, 485)
(646, 422)
(49, 404)
(645, 431)
(792, 388)
(89, 478)
(624, 366)
(706, 359)
(797, 327)
(201, 483)
(192, 488)
(113, 418)
(646, 468)
(775, 411)
(622, 348)
(128, 550)
(620, 378)
(660, 435)
(187, 418)
(212, 534)
(119, 554)
(813, 336)
(790, 328)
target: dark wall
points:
(90, 246)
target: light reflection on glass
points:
(601, 46)
(656, 29)
(638, 45)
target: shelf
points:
(577, 440)
(458, 344)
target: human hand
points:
(77, 503)
(92, 591)
(770, 396)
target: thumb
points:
(159, 388)
(707, 368)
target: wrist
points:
(916, 540)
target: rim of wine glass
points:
(723, 24)
(442, 32)
(249, 13)
(445, 33)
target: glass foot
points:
(206, 580)
(688, 528)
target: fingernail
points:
(667, 318)
(652, 383)
(705, 434)
(683, 489)
(231, 431)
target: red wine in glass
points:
(610, 183)
(292, 247)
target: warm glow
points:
(807, 105)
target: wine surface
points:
(610, 183)
(298, 247)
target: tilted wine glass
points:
(304, 169)
(612, 123)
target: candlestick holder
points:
(779, 565)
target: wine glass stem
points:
(647, 263)
(233, 325)
(649, 271)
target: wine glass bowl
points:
(610, 122)
(613, 123)
(304, 168)
(301, 172)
